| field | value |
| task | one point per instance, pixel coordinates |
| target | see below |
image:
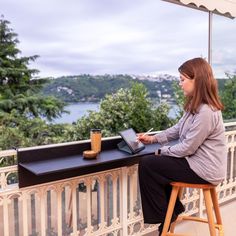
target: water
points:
(77, 110)
(174, 110)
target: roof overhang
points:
(220, 7)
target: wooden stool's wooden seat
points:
(210, 197)
(187, 185)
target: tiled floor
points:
(228, 213)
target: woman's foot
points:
(173, 219)
(179, 208)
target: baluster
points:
(25, 214)
(59, 210)
(88, 207)
(43, 212)
(115, 218)
(131, 197)
(102, 201)
(74, 208)
(6, 216)
(123, 197)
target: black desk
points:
(45, 164)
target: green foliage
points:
(179, 98)
(19, 90)
(21, 104)
(124, 109)
(228, 97)
(14, 73)
(221, 83)
(17, 131)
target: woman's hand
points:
(146, 139)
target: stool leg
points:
(217, 211)
(216, 206)
(210, 215)
(180, 193)
(170, 209)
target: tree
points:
(17, 131)
(124, 109)
(121, 110)
(179, 98)
(228, 97)
(19, 90)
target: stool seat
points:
(189, 185)
(211, 203)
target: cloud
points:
(116, 36)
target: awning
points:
(221, 7)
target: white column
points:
(25, 213)
(124, 218)
(210, 37)
(59, 211)
(6, 216)
(43, 211)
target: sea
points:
(77, 110)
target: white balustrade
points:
(98, 204)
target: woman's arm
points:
(198, 131)
(169, 134)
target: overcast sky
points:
(117, 36)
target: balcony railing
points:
(98, 204)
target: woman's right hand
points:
(146, 139)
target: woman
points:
(200, 154)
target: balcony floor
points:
(228, 214)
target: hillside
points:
(93, 88)
(84, 88)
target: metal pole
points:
(210, 38)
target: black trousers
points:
(155, 175)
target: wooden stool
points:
(210, 197)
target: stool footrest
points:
(173, 234)
(198, 219)
(192, 218)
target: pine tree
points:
(19, 89)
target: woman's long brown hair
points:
(205, 90)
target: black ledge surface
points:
(54, 163)
(68, 163)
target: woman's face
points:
(187, 85)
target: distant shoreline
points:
(79, 109)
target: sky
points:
(141, 37)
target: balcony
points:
(98, 204)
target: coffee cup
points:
(96, 139)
